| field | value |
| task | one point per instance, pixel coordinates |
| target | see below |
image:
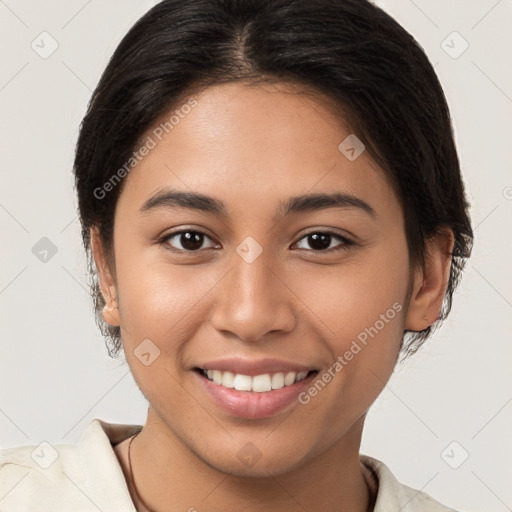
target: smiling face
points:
(243, 289)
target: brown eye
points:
(188, 240)
(320, 241)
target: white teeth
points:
(217, 377)
(242, 382)
(261, 383)
(289, 378)
(228, 380)
(258, 383)
(300, 376)
(278, 381)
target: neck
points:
(167, 472)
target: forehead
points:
(256, 142)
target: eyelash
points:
(346, 243)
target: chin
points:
(267, 465)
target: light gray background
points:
(55, 375)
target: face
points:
(247, 280)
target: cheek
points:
(159, 300)
(349, 298)
(359, 310)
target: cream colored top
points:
(87, 476)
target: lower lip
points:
(250, 404)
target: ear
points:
(430, 282)
(107, 282)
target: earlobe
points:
(111, 314)
(106, 280)
(430, 282)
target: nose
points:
(254, 299)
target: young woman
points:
(273, 209)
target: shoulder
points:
(38, 470)
(76, 476)
(393, 495)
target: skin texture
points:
(252, 147)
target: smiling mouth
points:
(257, 383)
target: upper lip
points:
(254, 367)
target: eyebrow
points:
(169, 198)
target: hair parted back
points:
(348, 50)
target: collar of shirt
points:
(87, 476)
